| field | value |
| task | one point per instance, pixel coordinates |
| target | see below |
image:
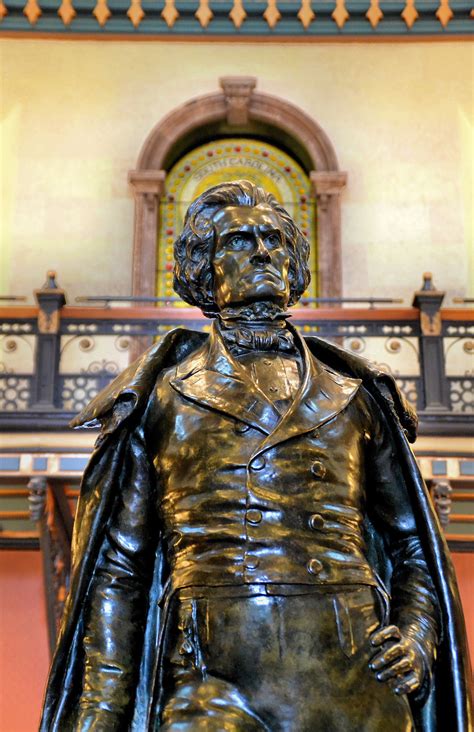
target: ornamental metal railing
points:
(54, 357)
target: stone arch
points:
(237, 109)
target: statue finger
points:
(386, 656)
(401, 667)
(409, 684)
(389, 632)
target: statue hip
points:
(276, 663)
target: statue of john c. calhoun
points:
(254, 548)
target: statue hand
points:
(398, 660)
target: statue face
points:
(251, 259)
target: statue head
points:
(238, 246)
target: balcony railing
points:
(55, 357)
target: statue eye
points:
(237, 242)
(273, 241)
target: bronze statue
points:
(254, 547)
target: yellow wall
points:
(75, 114)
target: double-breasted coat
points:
(198, 481)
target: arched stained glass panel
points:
(225, 160)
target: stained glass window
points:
(221, 161)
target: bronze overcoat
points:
(136, 402)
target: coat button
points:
(257, 463)
(241, 427)
(316, 521)
(318, 469)
(251, 562)
(254, 516)
(314, 566)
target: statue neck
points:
(258, 326)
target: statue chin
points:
(261, 309)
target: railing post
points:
(435, 394)
(50, 299)
(50, 511)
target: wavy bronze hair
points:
(193, 249)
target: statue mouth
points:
(261, 272)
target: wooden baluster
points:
(49, 508)
(442, 500)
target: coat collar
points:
(321, 396)
(213, 378)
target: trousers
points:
(268, 662)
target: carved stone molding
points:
(327, 188)
(237, 103)
(148, 187)
(237, 92)
(442, 500)
(327, 184)
(37, 497)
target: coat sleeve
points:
(117, 601)
(414, 605)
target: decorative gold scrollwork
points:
(374, 14)
(340, 14)
(32, 11)
(272, 15)
(306, 13)
(444, 13)
(204, 13)
(169, 13)
(135, 12)
(101, 12)
(410, 13)
(66, 12)
(237, 14)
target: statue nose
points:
(261, 254)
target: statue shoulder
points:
(129, 392)
(380, 384)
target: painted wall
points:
(24, 656)
(75, 114)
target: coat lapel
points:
(214, 379)
(321, 396)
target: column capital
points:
(147, 182)
(328, 182)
